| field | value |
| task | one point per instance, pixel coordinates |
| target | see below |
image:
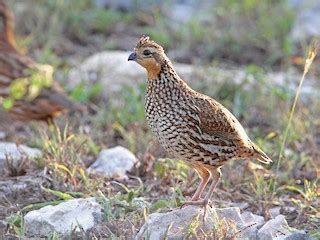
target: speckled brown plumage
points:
(189, 125)
(50, 102)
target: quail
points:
(190, 126)
(16, 67)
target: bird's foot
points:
(200, 202)
(205, 203)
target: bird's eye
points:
(147, 52)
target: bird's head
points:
(149, 55)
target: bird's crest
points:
(145, 41)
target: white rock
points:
(113, 71)
(274, 212)
(110, 68)
(307, 20)
(74, 215)
(274, 228)
(249, 217)
(174, 224)
(114, 163)
(241, 205)
(140, 202)
(3, 227)
(16, 153)
(231, 213)
(247, 223)
(2, 135)
(289, 209)
(178, 223)
(298, 235)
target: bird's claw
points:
(194, 203)
(200, 202)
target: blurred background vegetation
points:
(243, 32)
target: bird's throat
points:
(166, 82)
(153, 71)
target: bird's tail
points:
(260, 155)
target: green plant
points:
(29, 87)
(311, 56)
(64, 17)
(105, 19)
(261, 187)
(15, 223)
(309, 193)
(251, 27)
(166, 168)
(122, 204)
(84, 92)
(127, 106)
(62, 155)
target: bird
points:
(42, 100)
(189, 125)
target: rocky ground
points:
(47, 205)
(85, 217)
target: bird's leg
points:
(204, 175)
(215, 173)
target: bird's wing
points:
(216, 120)
(221, 128)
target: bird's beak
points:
(132, 57)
